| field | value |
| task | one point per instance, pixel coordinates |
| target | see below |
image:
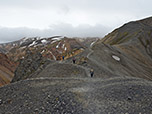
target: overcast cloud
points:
(80, 18)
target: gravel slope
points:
(120, 95)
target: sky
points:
(71, 18)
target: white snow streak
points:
(53, 55)
(53, 42)
(63, 45)
(58, 45)
(65, 48)
(32, 44)
(43, 51)
(93, 43)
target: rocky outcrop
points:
(7, 69)
(28, 66)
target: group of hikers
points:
(74, 61)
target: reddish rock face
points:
(53, 48)
(7, 69)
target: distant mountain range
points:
(53, 47)
(121, 84)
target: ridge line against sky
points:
(73, 18)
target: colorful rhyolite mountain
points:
(52, 48)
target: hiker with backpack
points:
(63, 58)
(74, 60)
(91, 72)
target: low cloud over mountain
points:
(64, 29)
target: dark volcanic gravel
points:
(77, 96)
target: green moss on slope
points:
(120, 37)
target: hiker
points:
(62, 57)
(91, 72)
(74, 60)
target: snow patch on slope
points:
(56, 39)
(44, 41)
(58, 45)
(65, 48)
(63, 45)
(116, 57)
